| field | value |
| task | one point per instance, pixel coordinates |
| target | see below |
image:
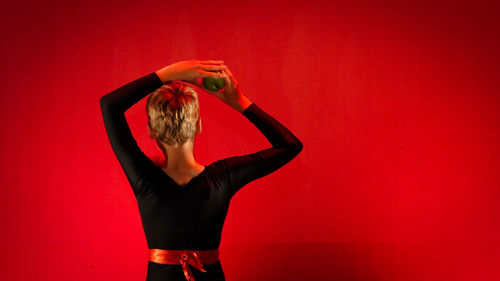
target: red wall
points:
(396, 103)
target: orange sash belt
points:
(185, 257)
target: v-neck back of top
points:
(200, 174)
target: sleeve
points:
(285, 146)
(134, 162)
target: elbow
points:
(107, 108)
(297, 147)
(111, 104)
(103, 102)
(107, 105)
(292, 150)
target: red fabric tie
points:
(185, 258)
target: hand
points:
(232, 94)
(191, 71)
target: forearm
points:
(241, 104)
(275, 132)
(286, 146)
(113, 106)
(127, 95)
(165, 74)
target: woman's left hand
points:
(191, 71)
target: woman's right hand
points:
(232, 95)
(191, 71)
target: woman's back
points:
(188, 215)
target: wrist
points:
(165, 74)
(242, 104)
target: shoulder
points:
(218, 172)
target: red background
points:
(396, 103)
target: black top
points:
(191, 216)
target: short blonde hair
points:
(173, 111)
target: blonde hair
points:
(173, 111)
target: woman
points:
(183, 203)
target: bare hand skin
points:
(232, 94)
(193, 71)
(190, 71)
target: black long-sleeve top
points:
(190, 216)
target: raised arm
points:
(113, 106)
(285, 145)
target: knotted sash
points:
(185, 258)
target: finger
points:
(211, 74)
(230, 76)
(213, 67)
(212, 62)
(228, 81)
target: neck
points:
(179, 157)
